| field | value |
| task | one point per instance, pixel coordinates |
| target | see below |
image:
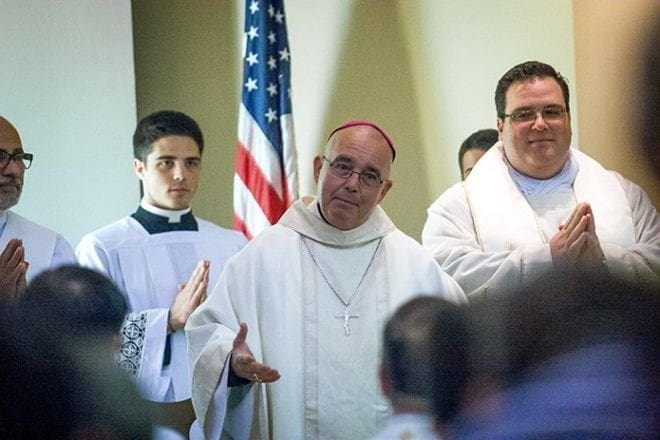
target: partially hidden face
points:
(170, 173)
(469, 160)
(12, 174)
(346, 203)
(537, 148)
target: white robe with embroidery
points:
(485, 234)
(44, 249)
(328, 386)
(148, 268)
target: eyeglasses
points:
(343, 170)
(549, 113)
(23, 160)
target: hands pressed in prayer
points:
(190, 296)
(245, 365)
(592, 254)
(576, 243)
(13, 268)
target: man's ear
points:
(386, 187)
(500, 127)
(138, 168)
(318, 163)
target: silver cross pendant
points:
(346, 316)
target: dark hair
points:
(54, 386)
(75, 299)
(480, 139)
(450, 361)
(527, 72)
(541, 348)
(419, 333)
(160, 124)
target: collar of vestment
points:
(561, 182)
(304, 217)
(156, 220)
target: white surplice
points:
(44, 249)
(328, 386)
(490, 238)
(148, 268)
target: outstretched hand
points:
(190, 296)
(245, 365)
(13, 269)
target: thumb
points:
(241, 336)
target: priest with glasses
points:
(26, 248)
(532, 204)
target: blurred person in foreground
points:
(422, 329)
(573, 355)
(77, 302)
(59, 378)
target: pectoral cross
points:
(346, 316)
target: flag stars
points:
(271, 115)
(252, 58)
(272, 63)
(271, 11)
(279, 17)
(253, 32)
(271, 37)
(254, 7)
(272, 89)
(284, 54)
(251, 84)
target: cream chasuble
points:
(295, 287)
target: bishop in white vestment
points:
(315, 291)
(532, 204)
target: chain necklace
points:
(346, 315)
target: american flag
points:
(265, 181)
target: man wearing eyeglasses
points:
(297, 316)
(26, 247)
(533, 204)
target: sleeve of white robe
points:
(149, 351)
(642, 260)
(449, 234)
(211, 330)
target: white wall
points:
(67, 84)
(458, 50)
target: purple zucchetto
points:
(357, 122)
